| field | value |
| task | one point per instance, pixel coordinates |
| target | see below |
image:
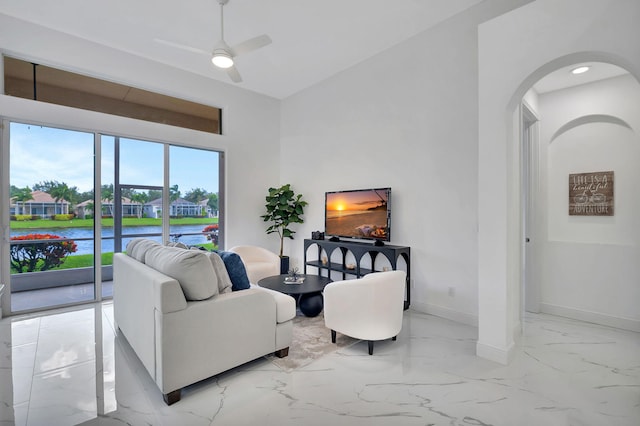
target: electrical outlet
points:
(413, 284)
(452, 291)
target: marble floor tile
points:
(70, 367)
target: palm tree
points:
(21, 195)
(90, 207)
(141, 198)
(60, 192)
(174, 194)
(196, 195)
(107, 195)
(213, 203)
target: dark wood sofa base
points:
(282, 352)
(172, 397)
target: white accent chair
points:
(369, 308)
(259, 262)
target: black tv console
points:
(358, 249)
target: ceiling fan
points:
(223, 55)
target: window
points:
(63, 237)
(46, 84)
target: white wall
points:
(516, 50)
(591, 262)
(406, 119)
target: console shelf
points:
(358, 250)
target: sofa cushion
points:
(177, 244)
(192, 269)
(285, 304)
(137, 248)
(224, 282)
(236, 270)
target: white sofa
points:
(181, 341)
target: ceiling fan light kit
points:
(222, 59)
(223, 55)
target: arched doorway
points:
(581, 262)
(512, 48)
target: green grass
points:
(86, 260)
(107, 223)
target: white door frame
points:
(532, 210)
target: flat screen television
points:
(359, 214)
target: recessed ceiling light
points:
(580, 70)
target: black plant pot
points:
(284, 264)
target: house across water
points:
(41, 204)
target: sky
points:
(43, 153)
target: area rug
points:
(311, 340)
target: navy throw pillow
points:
(236, 270)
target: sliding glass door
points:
(194, 196)
(51, 249)
(76, 198)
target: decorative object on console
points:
(360, 214)
(317, 235)
(284, 207)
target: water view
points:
(83, 237)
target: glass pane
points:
(52, 241)
(141, 214)
(141, 162)
(194, 191)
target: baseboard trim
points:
(450, 314)
(589, 316)
(492, 353)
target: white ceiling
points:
(312, 39)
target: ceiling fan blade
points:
(233, 73)
(251, 45)
(181, 46)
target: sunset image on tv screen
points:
(357, 214)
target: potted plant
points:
(284, 208)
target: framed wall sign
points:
(591, 194)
